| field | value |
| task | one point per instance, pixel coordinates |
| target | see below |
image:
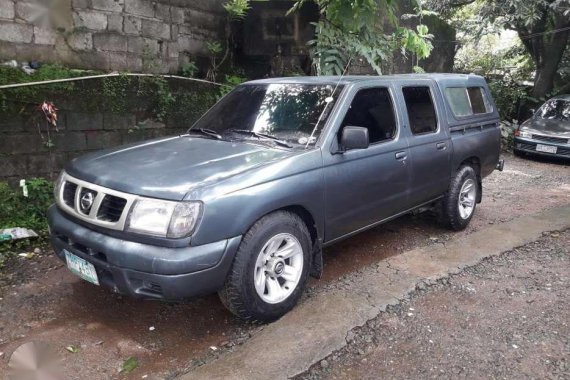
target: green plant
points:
(508, 96)
(353, 29)
(16, 210)
(150, 60)
(116, 92)
(189, 69)
(237, 9)
(230, 82)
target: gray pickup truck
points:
(245, 201)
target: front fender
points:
(233, 213)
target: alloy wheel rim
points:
(278, 268)
(466, 202)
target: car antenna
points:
(328, 101)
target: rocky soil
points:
(508, 317)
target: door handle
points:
(441, 146)
(401, 155)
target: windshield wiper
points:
(206, 132)
(261, 136)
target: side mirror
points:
(354, 138)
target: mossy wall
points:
(92, 114)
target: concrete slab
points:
(319, 325)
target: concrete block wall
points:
(134, 35)
(24, 154)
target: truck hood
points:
(169, 168)
(547, 127)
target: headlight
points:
(164, 218)
(524, 134)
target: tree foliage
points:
(361, 28)
(543, 26)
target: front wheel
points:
(458, 205)
(270, 268)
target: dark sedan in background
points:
(547, 132)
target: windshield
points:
(288, 112)
(555, 109)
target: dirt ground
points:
(41, 300)
(507, 317)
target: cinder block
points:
(44, 36)
(173, 50)
(84, 122)
(19, 33)
(90, 20)
(70, 141)
(80, 4)
(80, 41)
(26, 11)
(191, 45)
(116, 61)
(7, 9)
(113, 122)
(102, 140)
(21, 143)
(11, 125)
(132, 25)
(13, 166)
(155, 29)
(110, 42)
(115, 23)
(108, 5)
(141, 45)
(36, 165)
(177, 15)
(134, 62)
(140, 7)
(162, 12)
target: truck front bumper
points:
(143, 270)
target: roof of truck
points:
(349, 79)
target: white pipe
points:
(106, 76)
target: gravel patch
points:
(507, 317)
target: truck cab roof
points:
(352, 79)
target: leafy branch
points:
(350, 29)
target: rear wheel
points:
(270, 268)
(460, 201)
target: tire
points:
(456, 215)
(282, 233)
(518, 153)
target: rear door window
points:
(467, 101)
(479, 102)
(458, 101)
(421, 112)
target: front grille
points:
(111, 208)
(69, 190)
(95, 204)
(526, 146)
(556, 140)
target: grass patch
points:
(16, 210)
